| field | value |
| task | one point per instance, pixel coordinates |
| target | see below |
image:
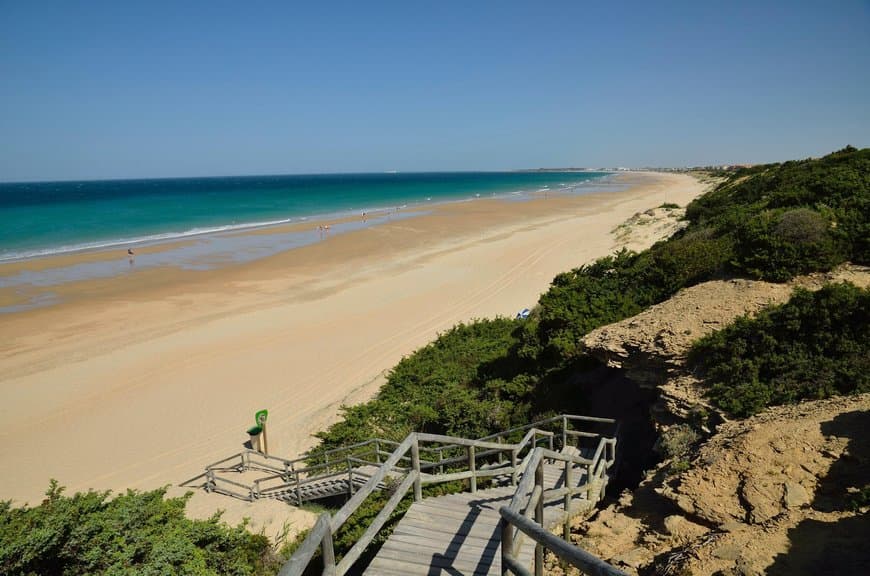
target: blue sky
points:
(154, 89)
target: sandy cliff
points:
(771, 494)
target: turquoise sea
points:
(43, 218)
(48, 218)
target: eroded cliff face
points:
(771, 494)
(776, 494)
(651, 347)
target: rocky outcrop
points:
(651, 347)
(771, 494)
(652, 344)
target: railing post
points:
(564, 431)
(589, 482)
(298, 485)
(539, 518)
(349, 475)
(507, 544)
(569, 483)
(415, 464)
(514, 467)
(500, 453)
(328, 554)
(378, 451)
(472, 466)
(441, 460)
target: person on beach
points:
(130, 256)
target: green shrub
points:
(466, 383)
(815, 346)
(677, 441)
(133, 533)
(778, 245)
(790, 218)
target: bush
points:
(134, 533)
(815, 346)
(677, 441)
(796, 217)
(778, 245)
(466, 383)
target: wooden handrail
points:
(351, 505)
(578, 557)
(516, 522)
(319, 536)
(530, 468)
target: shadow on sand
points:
(841, 547)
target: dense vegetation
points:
(787, 219)
(133, 533)
(815, 346)
(771, 222)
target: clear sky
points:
(150, 89)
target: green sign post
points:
(260, 418)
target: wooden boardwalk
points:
(460, 534)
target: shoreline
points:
(34, 257)
(29, 283)
(140, 380)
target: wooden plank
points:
(447, 542)
(482, 566)
(469, 558)
(465, 511)
(477, 545)
(491, 495)
(454, 527)
(389, 567)
(480, 533)
(454, 518)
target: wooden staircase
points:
(461, 533)
(529, 487)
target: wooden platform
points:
(459, 534)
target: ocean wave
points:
(147, 239)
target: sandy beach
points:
(139, 381)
